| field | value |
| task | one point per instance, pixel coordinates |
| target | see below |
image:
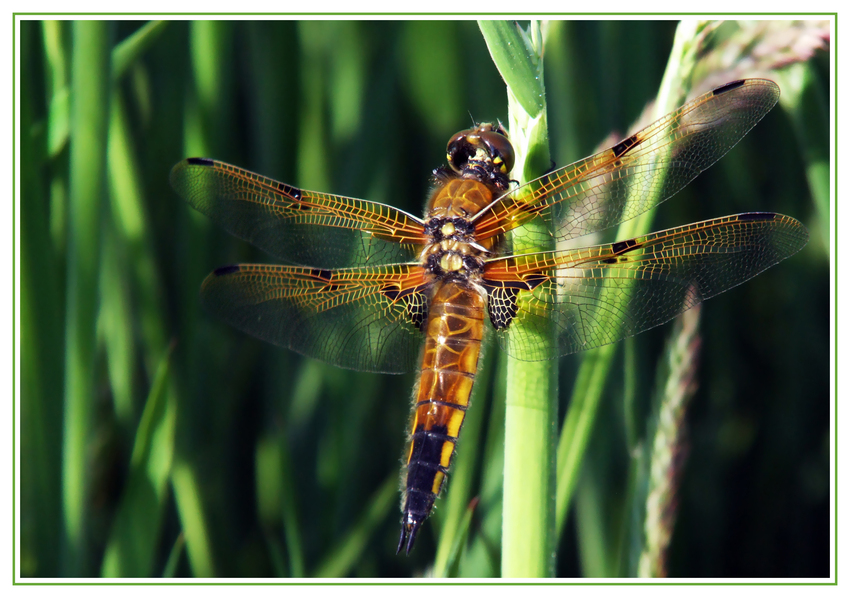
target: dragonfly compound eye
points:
(460, 149)
(500, 149)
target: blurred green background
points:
(156, 441)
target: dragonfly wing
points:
(569, 301)
(367, 319)
(636, 174)
(299, 226)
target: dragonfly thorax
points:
(453, 250)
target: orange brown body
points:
(454, 331)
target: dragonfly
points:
(370, 287)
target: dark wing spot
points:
(225, 270)
(535, 280)
(416, 305)
(415, 302)
(729, 87)
(325, 275)
(624, 246)
(502, 306)
(390, 292)
(758, 216)
(200, 162)
(625, 145)
(290, 191)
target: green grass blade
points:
(131, 550)
(584, 404)
(41, 307)
(115, 326)
(59, 104)
(130, 49)
(341, 559)
(520, 65)
(122, 58)
(276, 503)
(170, 569)
(127, 198)
(205, 121)
(481, 559)
(89, 124)
(190, 504)
(578, 425)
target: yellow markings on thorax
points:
(451, 262)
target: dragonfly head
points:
(484, 152)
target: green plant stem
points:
(584, 404)
(531, 408)
(89, 124)
(528, 516)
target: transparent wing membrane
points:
(636, 174)
(365, 319)
(296, 225)
(599, 295)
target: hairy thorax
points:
(454, 253)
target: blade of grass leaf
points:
(170, 569)
(130, 49)
(115, 325)
(519, 64)
(349, 549)
(41, 347)
(581, 414)
(59, 105)
(127, 200)
(205, 123)
(89, 125)
(481, 558)
(193, 518)
(131, 550)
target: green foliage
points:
(226, 457)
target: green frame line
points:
(15, 313)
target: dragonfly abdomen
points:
(455, 329)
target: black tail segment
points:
(418, 504)
(418, 496)
(409, 529)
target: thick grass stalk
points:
(341, 560)
(90, 82)
(595, 365)
(131, 550)
(41, 351)
(528, 510)
(205, 123)
(190, 505)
